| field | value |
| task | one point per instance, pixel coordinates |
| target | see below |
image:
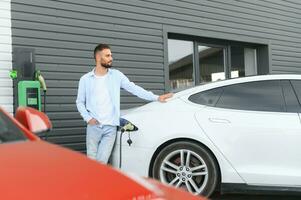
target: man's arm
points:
(81, 101)
(140, 92)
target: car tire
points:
(187, 165)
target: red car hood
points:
(39, 170)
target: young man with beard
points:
(98, 101)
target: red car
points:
(31, 168)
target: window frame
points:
(262, 52)
(196, 64)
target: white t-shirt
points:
(104, 104)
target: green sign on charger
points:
(29, 94)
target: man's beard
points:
(106, 65)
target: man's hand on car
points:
(162, 98)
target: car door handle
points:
(219, 120)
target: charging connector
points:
(125, 126)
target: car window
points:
(297, 88)
(208, 97)
(256, 96)
(9, 132)
(291, 101)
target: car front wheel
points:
(187, 165)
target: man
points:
(98, 101)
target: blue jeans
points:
(100, 142)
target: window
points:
(243, 61)
(291, 101)
(211, 63)
(208, 97)
(257, 96)
(197, 60)
(297, 88)
(180, 58)
(8, 131)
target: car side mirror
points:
(33, 120)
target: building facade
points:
(160, 45)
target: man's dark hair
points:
(101, 47)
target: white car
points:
(237, 135)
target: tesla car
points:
(34, 169)
(236, 135)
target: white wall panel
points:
(6, 85)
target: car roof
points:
(232, 81)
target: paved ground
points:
(254, 197)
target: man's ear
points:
(97, 57)
(100, 55)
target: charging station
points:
(27, 80)
(29, 94)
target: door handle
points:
(219, 120)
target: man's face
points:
(105, 58)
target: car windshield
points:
(9, 132)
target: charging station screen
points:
(32, 97)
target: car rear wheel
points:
(187, 165)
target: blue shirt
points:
(86, 104)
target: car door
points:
(256, 126)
